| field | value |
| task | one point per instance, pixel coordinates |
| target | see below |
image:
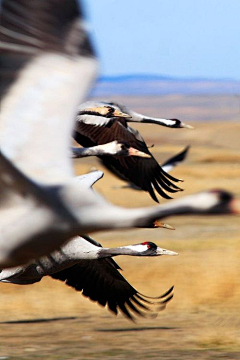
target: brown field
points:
(51, 321)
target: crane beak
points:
(186, 126)
(134, 152)
(159, 224)
(235, 206)
(118, 113)
(161, 251)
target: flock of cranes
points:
(48, 65)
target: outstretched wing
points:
(145, 173)
(89, 179)
(100, 281)
(175, 160)
(47, 66)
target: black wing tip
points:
(170, 177)
(186, 149)
(170, 290)
(149, 305)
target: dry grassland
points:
(203, 319)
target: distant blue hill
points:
(129, 77)
(162, 85)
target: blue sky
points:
(180, 38)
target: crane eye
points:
(150, 244)
(147, 243)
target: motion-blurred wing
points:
(88, 180)
(47, 66)
(100, 281)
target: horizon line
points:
(145, 76)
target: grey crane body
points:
(42, 206)
(75, 250)
(56, 213)
(84, 265)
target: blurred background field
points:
(202, 321)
